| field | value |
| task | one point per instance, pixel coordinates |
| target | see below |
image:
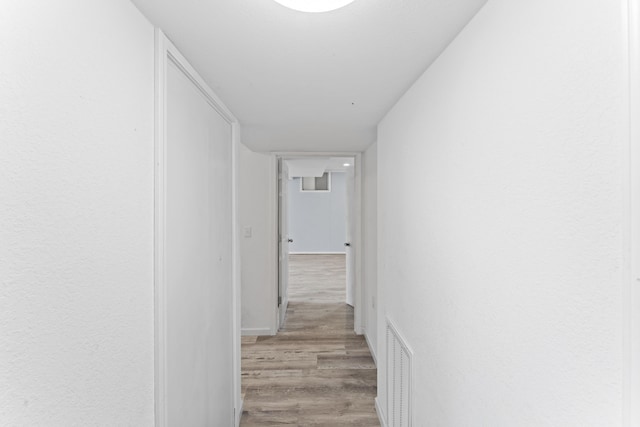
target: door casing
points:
(356, 242)
(631, 391)
(283, 242)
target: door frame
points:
(282, 190)
(165, 52)
(631, 292)
(356, 244)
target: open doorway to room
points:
(316, 230)
(316, 368)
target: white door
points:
(283, 242)
(350, 227)
(198, 258)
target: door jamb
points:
(631, 295)
(275, 240)
(357, 232)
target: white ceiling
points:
(310, 82)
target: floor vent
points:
(398, 379)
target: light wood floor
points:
(315, 371)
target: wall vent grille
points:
(398, 379)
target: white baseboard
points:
(316, 253)
(380, 412)
(256, 331)
(239, 413)
(371, 349)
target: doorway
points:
(318, 207)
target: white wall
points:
(500, 218)
(317, 220)
(76, 214)
(369, 246)
(255, 211)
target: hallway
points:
(496, 169)
(315, 371)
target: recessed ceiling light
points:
(346, 164)
(314, 6)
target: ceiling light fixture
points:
(314, 6)
(346, 164)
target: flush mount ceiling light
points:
(314, 6)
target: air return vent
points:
(398, 379)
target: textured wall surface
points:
(76, 214)
(500, 206)
(317, 220)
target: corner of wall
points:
(381, 415)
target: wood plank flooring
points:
(315, 371)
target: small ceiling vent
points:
(322, 183)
